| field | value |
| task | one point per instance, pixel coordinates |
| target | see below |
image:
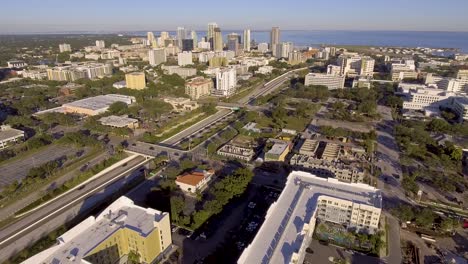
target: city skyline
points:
(43, 17)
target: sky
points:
(47, 16)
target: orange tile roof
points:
(193, 178)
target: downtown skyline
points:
(117, 16)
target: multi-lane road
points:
(31, 227)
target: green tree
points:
(425, 218)
(177, 207)
(118, 108)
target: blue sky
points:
(106, 15)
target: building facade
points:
(198, 87)
(135, 80)
(157, 56)
(184, 58)
(226, 81)
(332, 82)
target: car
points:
(125, 164)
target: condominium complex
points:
(328, 160)
(210, 33)
(274, 39)
(283, 49)
(367, 66)
(157, 56)
(332, 82)
(182, 72)
(226, 81)
(353, 64)
(64, 47)
(198, 87)
(247, 40)
(121, 229)
(233, 42)
(184, 58)
(135, 80)
(306, 199)
(78, 71)
(295, 57)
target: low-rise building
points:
(182, 72)
(119, 85)
(119, 121)
(69, 89)
(9, 136)
(264, 70)
(121, 229)
(332, 82)
(38, 74)
(278, 151)
(16, 64)
(195, 181)
(306, 200)
(240, 147)
(198, 87)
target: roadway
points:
(21, 233)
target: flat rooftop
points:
(9, 133)
(117, 121)
(84, 237)
(100, 101)
(280, 235)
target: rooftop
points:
(279, 147)
(101, 101)
(280, 235)
(75, 244)
(117, 121)
(6, 132)
(194, 177)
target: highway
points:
(14, 237)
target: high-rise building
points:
(184, 58)
(233, 42)
(194, 37)
(157, 56)
(217, 40)
(367, 66)
(64, 47)
(181, 35)
(295, 57)
(247, 40)
(226, 81)
(100, 44)
(210, 33)
(274, 39)
(150, 37)
(162, 38)
(283, 49)
(121, 229)
(135, 80)
(187, 45)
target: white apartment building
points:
(64, 47)
(9, 136)
(16, 64)
(418, 98)
(265, 70)
(226, 81)
(331, 81)
(184, 58)
(204, 45)
(247, 40)
(333, 70)
(403, 65)
(100, 44)
(157, 56)
(460, 106)
(283, 49)
(290, 222)
(367, 66)
(349, 64)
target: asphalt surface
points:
(20, 230)
(18, 169)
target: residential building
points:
(119, 121)
(79, 70)
(69, 89)
(462, 74)
(100, 44)
(283, 49)
(64, 48)
(295, 57)
(198, 87)
(332, 82)
(218, 62)
(460, 106)
(121, 229)
(217, 40)
(233, 42)
(182, 72)
(278, 150)
(150, 39)
(9, 136)
(274, 39)
(38, 74)
(423, 98)
(334, 70)
(157, 56)
(350, 64)
(195, 181)
(264, 70)
(135, 80)
(262, 47)
(119, 85)
(203, 45)
(247, 40)
(240, 147)
(226, 81)
(401, 75)
(306, 200)
(184, 58)
(367, 66)
(194, 38)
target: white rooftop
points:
(117, 121)
(280, 235)
(101, 101)
(83, 238)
